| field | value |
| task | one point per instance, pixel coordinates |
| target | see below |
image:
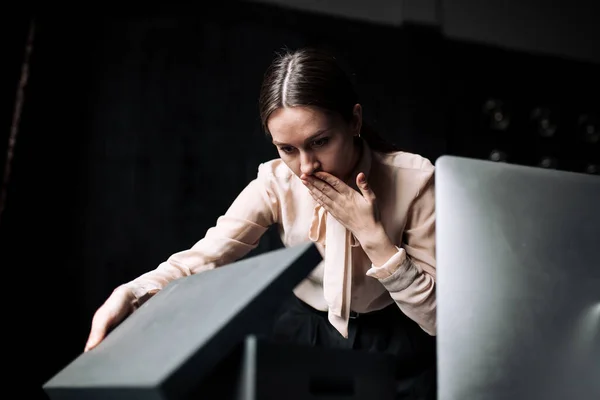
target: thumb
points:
(363, 185)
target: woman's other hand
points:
(115, 309)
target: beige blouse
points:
(346, 279)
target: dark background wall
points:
(128, 119)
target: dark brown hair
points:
(310, 77)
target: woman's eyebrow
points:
(311, 138)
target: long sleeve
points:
(235, 234)
(409, 275)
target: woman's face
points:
(309, 140)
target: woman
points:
(368, 207)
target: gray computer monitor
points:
(166, 348)
(518, 282)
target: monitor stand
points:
(260, 368)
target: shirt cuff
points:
(392, 265)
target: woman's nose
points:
(308, 164)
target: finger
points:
(110, 314)
(337, 184)
(320, 188)
(100, 324)
(317, 194)
(365, 188)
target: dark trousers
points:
(387, 330)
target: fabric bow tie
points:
(337, 275)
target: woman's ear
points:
(356, 119)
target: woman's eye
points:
(286, 149)
(320, 142)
